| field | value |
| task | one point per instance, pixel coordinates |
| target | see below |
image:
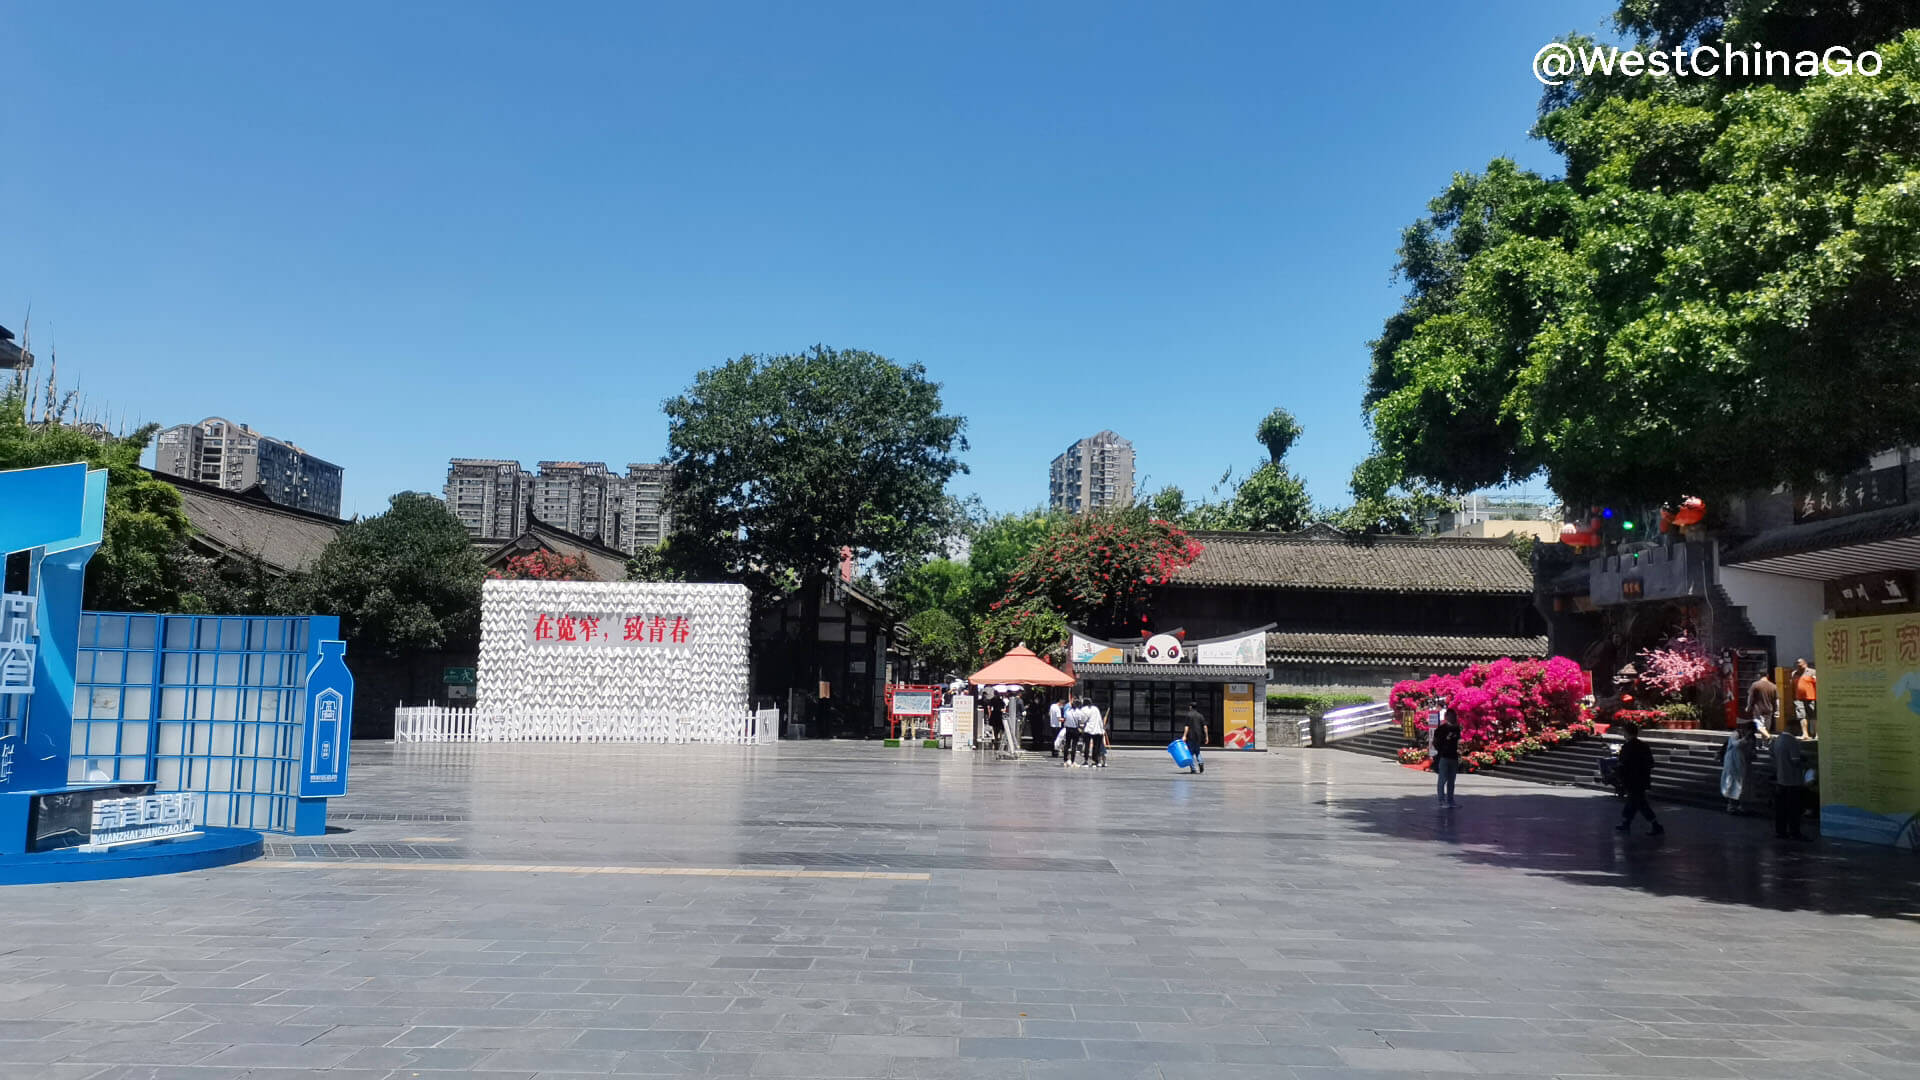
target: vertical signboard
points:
(963, 722)
(323, 768)
(1869, 759)
(1236, 723)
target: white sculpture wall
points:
(684, 679)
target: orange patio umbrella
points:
(1020, 665)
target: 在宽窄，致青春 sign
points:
(573, 629)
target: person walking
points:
(1805, 697)
(1736, 764)
(1636, 776)
(1093, 727)
(1789, 785)
(1763, 700)
(1446, 755)
(1193, 732)
(1070, 723)
(1054, 736)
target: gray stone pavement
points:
(843, 910)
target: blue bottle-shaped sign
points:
(329, 723)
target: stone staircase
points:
(1686, 763)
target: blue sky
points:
(400, 233)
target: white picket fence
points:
(439, 723)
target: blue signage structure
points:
(55, 514)
(329, 718)
(63, 813)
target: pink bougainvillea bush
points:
(1497, 703)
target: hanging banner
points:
(1869, 757)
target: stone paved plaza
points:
(842, 910)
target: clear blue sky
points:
(396, 233)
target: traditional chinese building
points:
(1357, 612)
(246, 529)
(852, 647)
(1755, 581)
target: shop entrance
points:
(1148, 713)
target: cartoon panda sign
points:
(1161, 649)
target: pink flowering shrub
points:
(1496, 703)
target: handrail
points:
(1346, 723)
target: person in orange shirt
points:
(1806, 683)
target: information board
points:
(1869, 756)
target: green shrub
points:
(1685, 715)
(1315, 703)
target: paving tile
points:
(1304, 914)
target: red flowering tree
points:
(1095, 572)
(544, 565)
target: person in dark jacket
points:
(1636, 776)
(1446, 755)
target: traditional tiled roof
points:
(1416, 650)
(1891, 525)
(1325, 558)
(248, 525)
(609, 564)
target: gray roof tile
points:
(1325, 558)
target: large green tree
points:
(403, 580)
(1269, 499)
(1721, 293)
(1384, 501)
(780, 462)
(142, 564)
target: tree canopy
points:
(142, 564)
(781, 461)
(1722, 292)
(402, 580)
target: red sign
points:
(562, 629)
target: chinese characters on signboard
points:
(1854, 493)
(569, 629)
(147, 817)
(1871, 594)
(17, 635)
(1870, 728)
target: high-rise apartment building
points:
(499, 499)
(576, 496)
(235, 457)
(645, 517)
(1094, 473)
(489, 496)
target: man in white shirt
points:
(1093, 726)
(1053, 728)
(1070, 719)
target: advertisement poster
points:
(1247, 650)
(912, 702)
(1869, 759)
(1089, 651)
(1236, 727)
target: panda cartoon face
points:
(1161, 649)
